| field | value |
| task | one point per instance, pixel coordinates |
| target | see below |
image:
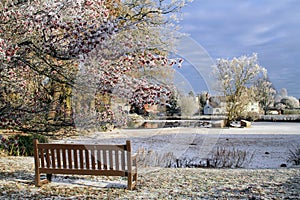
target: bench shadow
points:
(19, 176)
(27, 178)
(81, 181)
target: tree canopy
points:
(49, 49)
(236, 78)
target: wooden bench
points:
(84, 159)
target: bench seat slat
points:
(93, 160)
(64, 156)
(70, 160)
(99, 161)
(53, 164)
(58, 152)
(47, 158)
(81, 158)
(111, 159)
(105, 159)
(75, 155)
(123, 160)
(117, 160)
(42, 157)
(87, 159)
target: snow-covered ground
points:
(269, 142)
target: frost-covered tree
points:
(283, 100)
(265, 93)
(290, 102)
(46, 44)
(202, 100)
(188, 105)
(235, 80)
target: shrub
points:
(291, 111)
(150, 158)
(221, 158)
(20, 145)
(252, 116)
(294, 156)
(229, 158)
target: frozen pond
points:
(269, 142)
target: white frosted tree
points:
(188, 105)
(283, 100)
(236, 79)
(290, 102)
(265, 93)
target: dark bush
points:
(21, 145)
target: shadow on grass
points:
(27, 178)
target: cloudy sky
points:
(231, 28)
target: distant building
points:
(216, 105)
(212, 108)
(253, 107)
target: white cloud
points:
(234, 27)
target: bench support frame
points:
(85, 159)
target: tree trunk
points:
(57, 90)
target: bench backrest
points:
(83, 157)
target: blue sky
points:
(231, 28)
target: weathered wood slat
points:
(99, 160)
(81, 158)
(42, 158)
(53, 156)
(117, 160)
(105, 159)
(111, 161)
(75, 155)
(64, 157)
(123, 160)
(47, 155)
(93, 160)
(87, 159)
(70, 160)
(58, 152)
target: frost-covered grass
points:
(17, 175)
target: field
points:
(262, 178)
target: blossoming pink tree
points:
(46, 45)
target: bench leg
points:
(129, 181)
(38, 182)
(135, 178)
(37, 179)
(132, 181)
(49, 177)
